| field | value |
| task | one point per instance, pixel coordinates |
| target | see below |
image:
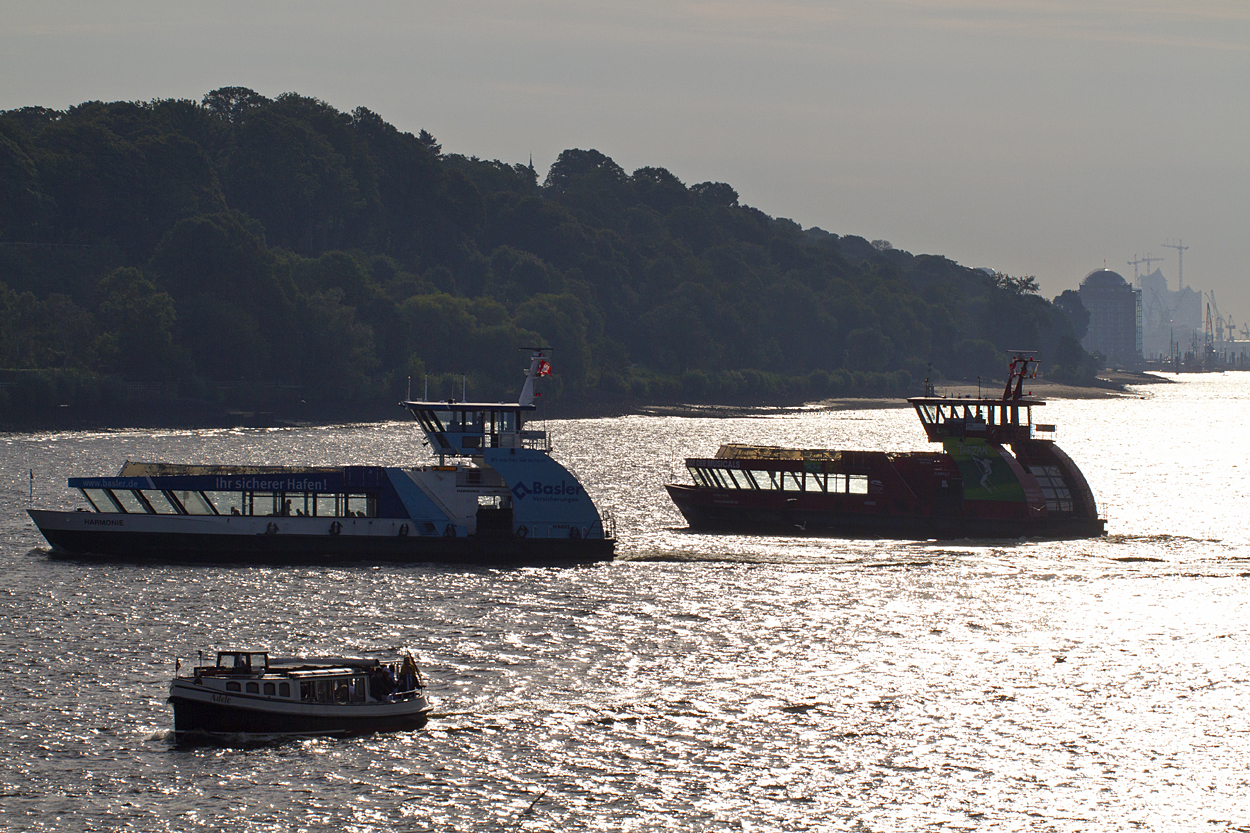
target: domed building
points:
(1114, 308)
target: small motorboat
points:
(248, 692)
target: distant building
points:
(1169, 318)
(1115, 318)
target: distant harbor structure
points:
(1169, 317)
(1178, 330)
(1115, 318)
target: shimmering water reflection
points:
(701, 683)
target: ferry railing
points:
(607, 524)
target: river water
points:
(698, 682)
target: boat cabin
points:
(327, 680)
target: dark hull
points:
(173, 547)
(704, 514)
(195, 716)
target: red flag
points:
(544, 369)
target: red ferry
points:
(973, 488)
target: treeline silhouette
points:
(174, 260)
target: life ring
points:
(574, 532)
(522, 531)
(449, 532)
(403, 531)
(272, 529)
(336, 528)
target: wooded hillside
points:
(164, 259)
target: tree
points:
(234, 104)
(1070, 303)
(139, 319)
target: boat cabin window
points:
(270, 689)
(242, 660)
(233, 686)
(260, 503)
(815, 481)
(160, 503)
(130, 501)
(227, 503)
(195, 503)
(101, 500)
(741, 479)
(284, 689)
(253, 688)
(791, 481)
(1054, 489)
(333, 690)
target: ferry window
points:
(698, 477)
(130, 502)
(740, 478)
(324, 693)
(507, 421)
(790, 481)
(358, 689)
(159, 502)
(227, 503)
(101, 500)
(357, 506)
(305, 690)
(253, 688)
(195, 503)
(719, 478)
(232, 686)
(284, 689)
(261, 503)
(857, 484)
(1054, 489)
(270, 689)
(815, 482)
(326, 506)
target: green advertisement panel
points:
(987, 476)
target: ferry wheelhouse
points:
(252, 693)
(495, 496)
(974, 488)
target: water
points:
(698, 683)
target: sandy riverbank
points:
(1115, 385)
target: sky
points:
(1034, 137)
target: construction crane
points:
(1148, 259)
(1180, 247)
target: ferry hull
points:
(100, 536)
(723, 511)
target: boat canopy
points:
(1002, 421)
(464, 429)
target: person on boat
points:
(382, 684)
(408, 674)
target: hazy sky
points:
(1040, 137)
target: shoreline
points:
(1113, 387)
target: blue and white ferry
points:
(496, 496)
